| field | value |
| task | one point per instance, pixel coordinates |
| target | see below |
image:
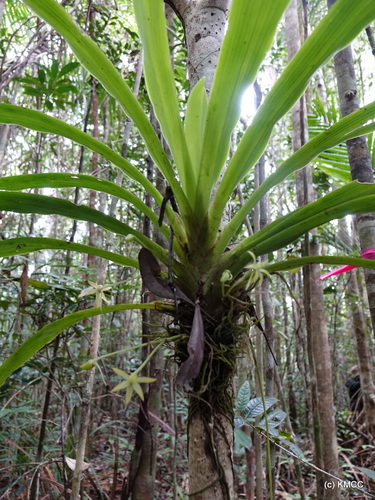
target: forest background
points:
(58, 419)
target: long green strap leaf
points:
(160, 83)
(346, 128)
(98, 65)
(297, 262)
(251, 29)
(338, 28)
(195, 121)
(37, 341)
(35, 120)
(47, 205)
(20, 246)
(350, 199)
(19, 182)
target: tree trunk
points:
(210, 454)
(323, 371)
(4, 137)
(34, 488)
(363, 354)
(267, 315)
(140, 484)
(2, 3)
(88, 393)
(204, 23)
(210, 419)
(93, 228)
(210, 425)
(324, 425)
(142, 470)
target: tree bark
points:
(142, 473)
(204, 23)
(323, 372)
(34, 488)
(363, 354)
(4, 137)
(371, 39)
(259, 221)
(320, 362)
(142, 469)
(210, 456)
(264, 219)
(88, 393)
(93, 229)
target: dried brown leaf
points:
(150, 272)
(191, 368)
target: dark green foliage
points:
(52, 85)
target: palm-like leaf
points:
(334, 161)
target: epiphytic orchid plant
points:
(206, 275)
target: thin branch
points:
(371, 39)
(177, 6)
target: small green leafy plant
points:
(247, 413)
(52, 85)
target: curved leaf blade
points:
(244, 47)
(349, 199)
(352, 198)
(57, 180)
(297, 262)
(348, 18)
(99, 66)
(25, 245)
(195, 120)
(37, 341)
(347, 128)
(46, 205)
(35, 120)
(160, 82)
